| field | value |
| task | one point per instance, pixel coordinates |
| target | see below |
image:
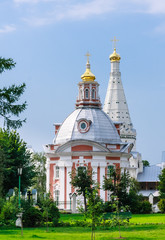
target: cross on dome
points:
(114, 57)
(87, 55)
(88, 75)
(114, 40)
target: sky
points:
(48, 40)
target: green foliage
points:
(82, 181)
(118, 219)
(145, 207)
(145, 163)
(161, 205)
(32, 217)
(119, 183)
(39, 160)
(9, 97)
(9, 210)
(15, 154)
(94, 208)
(2, 159)
(161, 185)
(50, 210)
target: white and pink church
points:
(92, 137)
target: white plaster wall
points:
(47, 175)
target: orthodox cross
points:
(114, 40)
(29, 194)
(87, 55)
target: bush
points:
(51, 212)
(32, 217)
(108, 206)
(161, 205)
(145, 207)
(8, 213)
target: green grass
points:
(139, 232)
(136, 218)
(143, 227)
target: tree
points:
(1, 171)
(9, 97)
(118, 183)
(161, 185)
(145, 163)
(161, 205)
(94, 209)
(82, 181)
(39, 160)
(118, 219)
(122, 186)
(15, 155)
(50, 210)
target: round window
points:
(83, 125)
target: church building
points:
(93, 138)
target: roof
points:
(101, 130)
(146, 193)
(149, 174)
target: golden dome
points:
(114, 57)
(88, 75)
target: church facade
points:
(92, 138)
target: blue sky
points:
(48, 39)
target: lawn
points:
(143, 227)
(136, 218)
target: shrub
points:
(146, 207)
(51, 212)
(161, 205)
(8, 213)
(32, 217)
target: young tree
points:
(118, 219)
(82, 181)
(94, 209)
(161, 185)
(9, 97)
(121, 185)
(15, 155)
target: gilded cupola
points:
(114, 57)
(88, 75)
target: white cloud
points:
(84, 10)
(7, 29)
(57, 10)
(149, 6)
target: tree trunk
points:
(85, 202)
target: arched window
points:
(56, 196)
(93, 93)
(86, 93)
(56, 172)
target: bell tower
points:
(88, 89)
(115, 104)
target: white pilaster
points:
(47, 175)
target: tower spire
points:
(88, 89)
(115, 104)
